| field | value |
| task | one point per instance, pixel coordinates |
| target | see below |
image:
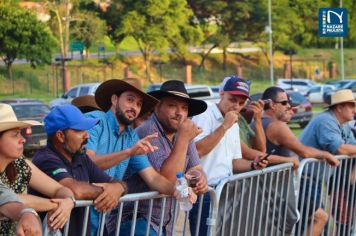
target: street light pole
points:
(270, 42)
(342, 53)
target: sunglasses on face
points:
(284, 102)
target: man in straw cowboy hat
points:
(113, 145)
(330, 131)
(176, 153)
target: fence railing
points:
(330, 189)
(262, 202)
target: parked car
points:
(316, 93)
(76, 91)
(30, 109)
(202, 92)
(298, 85)
(302, 108)
(342, 84)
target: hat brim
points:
(237, 93)
(108, 88)
(18, 124)
(195, 106)
(336, 103)
(85, 124)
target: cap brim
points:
(195, 106)
(85, 124)
(108, 88)
(18, 124)
(238, 93)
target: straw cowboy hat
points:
(114, 86)
(341, 96)
(8, 119)
(176, 88)
(86, 103)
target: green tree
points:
(23, 36)
(225, 22)
(88, 28)
(152, 23)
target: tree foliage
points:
(23, 36)
(88, 28)
(154, 24)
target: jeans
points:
(140, 229)
(193, 216)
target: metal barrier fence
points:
(257, 203)
(136, 199)
(331, 189)
(261, 202)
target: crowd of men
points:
(123, 140)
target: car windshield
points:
(30, 110)
(297, 98)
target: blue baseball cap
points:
(236, 86)
(67, 117)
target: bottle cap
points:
(179, 175)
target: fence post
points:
(188, 74)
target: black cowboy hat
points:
(176, 88)
(114, 86)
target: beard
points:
(122, 118)
(82, 150)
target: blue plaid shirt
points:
(104, 139)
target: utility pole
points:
(270, 42)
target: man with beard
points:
(176, 153)
(281, 139)
(65, 160)
(113, 145)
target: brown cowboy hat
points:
(114, 86)
(8, 119)
(86, 103)
(176, 88)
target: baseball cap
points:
(67, 117)
(235, 86)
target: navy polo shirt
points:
(81, 168)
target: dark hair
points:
(10, 170)
(271, 93)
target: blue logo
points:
(333, 22)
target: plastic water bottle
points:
(183, 192)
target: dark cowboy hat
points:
(176, 88)
(114, 86)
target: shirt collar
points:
(114, 124)
(217, 113)
(337, 121)
(76, 160)
(160, 129)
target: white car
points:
(316, 93)
(76, 91)
(298, 85)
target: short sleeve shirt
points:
(136, 184)
(324, 132)
(217, 164)
(105, 138)
(82, 168)
(7, 195)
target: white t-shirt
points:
(217, 163)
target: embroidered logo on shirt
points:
(59, 170)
